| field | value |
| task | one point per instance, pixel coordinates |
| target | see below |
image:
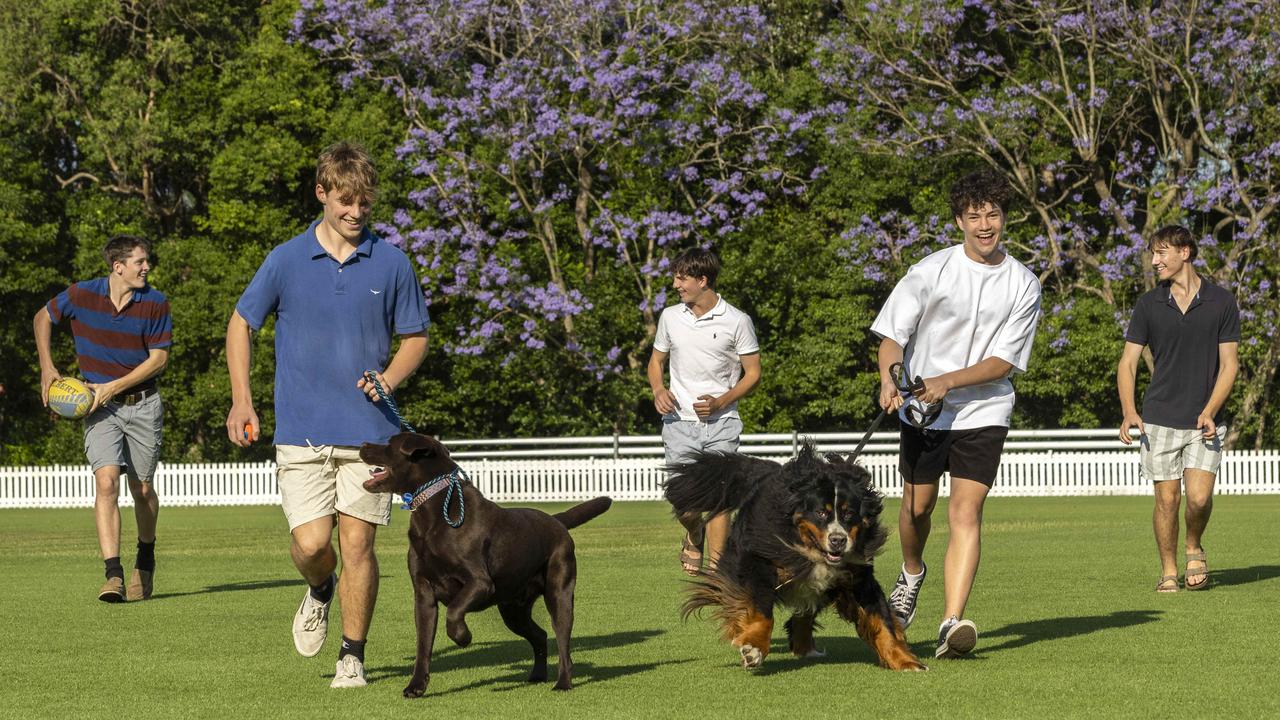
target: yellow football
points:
(70, 398)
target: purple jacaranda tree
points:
(1109, 118)
(565, 151)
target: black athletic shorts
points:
(973, 454)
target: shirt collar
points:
(365, 247)
(719, 309)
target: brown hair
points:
(696, 263)
(1177, 237)
(346, 168)
(120, 247)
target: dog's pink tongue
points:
(376, 475)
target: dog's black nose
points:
(837, 542)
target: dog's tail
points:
(714, 483)
(578, 514)
(729, 603)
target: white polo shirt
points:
(950, 312)
(704, 353)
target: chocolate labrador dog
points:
(494, 556)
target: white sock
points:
(912, 580)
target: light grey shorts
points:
(682, 438)
(317, 480)
(1166, 452)
(126, 435)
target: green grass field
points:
(1069, 627)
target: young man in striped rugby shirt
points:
(123, 330)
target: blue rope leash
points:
(388, 399)
(455, 483)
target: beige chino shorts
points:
(318, 480)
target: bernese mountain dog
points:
(803, 537)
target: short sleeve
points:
(410, 308)
(1138, 331)
(901, 313)
(159, 332)
(744, 336)
(1017, 336)
(1229, 326)
(262, 296)
(60, 307)
(662, 340)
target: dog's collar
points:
(415, 499)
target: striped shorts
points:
(1166, 451)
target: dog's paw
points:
(415, 689)
(538, 674)
(815, 653)
(459, 633)
(563, 685)
(751, 656)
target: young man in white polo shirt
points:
(963, 319)
(715, 360)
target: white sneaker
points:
(349, 673)
(311, 624)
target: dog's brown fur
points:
(498, 556)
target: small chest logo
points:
(375, 292)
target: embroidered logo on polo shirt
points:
(375, 292)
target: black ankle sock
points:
(323, 592)
(146, 560)
(113, 567)
(352, 647)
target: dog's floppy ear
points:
(414, 444)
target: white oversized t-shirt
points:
(948, 313)
(703, 353)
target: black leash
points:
(917, 417)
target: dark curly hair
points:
(979, 188)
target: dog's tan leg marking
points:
(753, 639)
(888, 641)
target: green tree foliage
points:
(197, 123)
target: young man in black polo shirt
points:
(1193, 328)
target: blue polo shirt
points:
(333, 322)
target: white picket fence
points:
(1035, 463)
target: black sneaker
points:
(956, 638)
(902, 601)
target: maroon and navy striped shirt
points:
(110, 344)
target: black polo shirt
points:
(1185, 350)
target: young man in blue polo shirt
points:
(1193, 329)
(339, 292)
(123, 331)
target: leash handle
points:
(920, 418)
(387, 398)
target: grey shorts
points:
(1166, 452)
(682, 438)
(126, 435)
(318, 480)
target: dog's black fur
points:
(804, 537)
(499, 556)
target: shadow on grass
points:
(233, 587)
(515, 655)
(1242, 576)
(1048, 629)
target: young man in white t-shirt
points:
(715, 361)
(963, 319)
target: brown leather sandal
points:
(690, 556)
(1167, 584)
(1200, 572)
